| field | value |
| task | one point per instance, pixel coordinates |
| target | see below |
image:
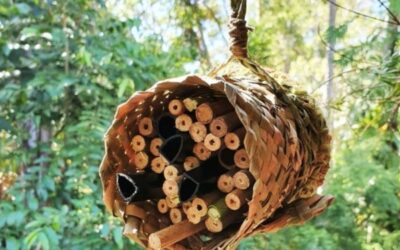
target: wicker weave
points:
(286, 139)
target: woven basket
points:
(286, 139)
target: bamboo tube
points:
(138, 143)
(172, 201)
(176, 215)
(141, 160)
(242, 159)
(162, 206)
(201, 203)
(150, 224)
(226, 158)
(243, 179)
(166, 126)
(135, 210)
(185, 206)
(207, 111)
(170, 187)
(233, 140)
(190, 163)
(172, 172)
(217, 225)
(198, 131)
(183, 122)
(237, 198)
(225, 181)
(218, 209)
(174, 234)
(221, 125)
(176, 107)
(190, 104)
(194, 216)
(201, 152)
(176, 147)
(131, 227)
(145, 126)
(158, 165)
(212, 143)
(155, 145)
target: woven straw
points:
(287, 141)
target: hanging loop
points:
(238, 29)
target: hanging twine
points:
(238, 29)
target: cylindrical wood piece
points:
(225, 181)
(212, 143)
(138, 143)
(141, 160)
(176, 215)
(201, 152)
(233, 140)
(242, 159)
(170, 188)
(198, 131)
(155, 145)
(190, 163)
(217, 225)
(162, 206)
(221, 125)
(176, 107)
(190, 104)
(201, 203)
(183, 122)
(146, 127)
(158, 165)
(243, 179)
(173, 234)
(237, 198)
(207, 111)
(172, 172)
(218, 209)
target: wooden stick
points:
(218, 209)
(135, 210)
(226, 158)
(207, 111)
(190, 163)
(176, 107)
(217, 225)
(242, 159)
(193, 215)
(172, 201)
(237, 198)
(138, 143)
(243, 179)
(158, 164)
(174, 234)
(146, 127)
(201, 203)
(190, 104)
(225, 181)
(183, 122)
(172, 172)
(162, 206)
(198, 131)
(176, 215)
(201, 152)
(233, 140)
(212, 143)
(221, 125)
(155, 145)
(170, 188)
(141, 160)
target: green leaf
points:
(117, 235)
(12, 244)
(28, 32)
(23, 8)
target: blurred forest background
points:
(66, 65)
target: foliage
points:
(65, 65)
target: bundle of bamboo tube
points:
(192, 164)
(202, 162)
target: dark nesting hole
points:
(199, 207)
(126, 187)
(226, 158)
(188, 188)
(166, 126)
(172, 148)
(146, 126)
(218, 127)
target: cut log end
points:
(232, 141)
(162, 206)
(198, 131)
(201, 206)
(225, 183)
(158, 164)
(154, 241)
(171, 172)
(183, 122)
(201, 151)
(212, 142)
(218, 127)
(175, 215)
(204, 113)
(170, 188)
(176, 107)
(243, 179)
(214, 226)
(146, 126)
(242, 159)
(193, 216)
(190, 163)
(190, 104)
(138, 143)
(155, 145)
(141, 160)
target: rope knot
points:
(238, 37)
